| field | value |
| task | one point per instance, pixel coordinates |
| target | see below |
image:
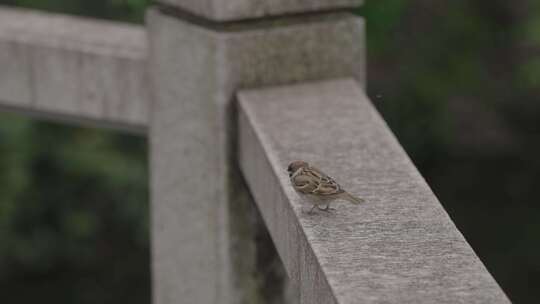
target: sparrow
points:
(321, 188)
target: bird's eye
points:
(289, 168)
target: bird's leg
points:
(311, 210)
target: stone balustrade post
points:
(201, 53)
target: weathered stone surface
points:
(74, 67)
(398, 247)
(228, 10)
(195, 189)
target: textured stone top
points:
(398, 247)
(229, 10)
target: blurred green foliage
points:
(73, 214)
(457, 81)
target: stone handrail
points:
(398, 247)
(74, 68)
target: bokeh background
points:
(458, 82)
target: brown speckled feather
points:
(310, 180)
(320, 187)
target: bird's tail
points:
(351, 198)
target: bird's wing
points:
(313, 181)
(304, 183)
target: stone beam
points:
(400, 246)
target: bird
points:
(321, 188)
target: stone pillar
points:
(201, 53)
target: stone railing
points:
(229, 92)
(74, 68)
